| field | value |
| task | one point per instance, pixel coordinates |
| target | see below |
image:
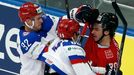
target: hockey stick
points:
(45, 3)
(118, 11)
(67, 8)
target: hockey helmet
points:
(67, 28)
(109, 22)
(29, 10)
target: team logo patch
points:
(108, 54)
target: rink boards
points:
(128, 54)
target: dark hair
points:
(109, 22)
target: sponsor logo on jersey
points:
(74, 48)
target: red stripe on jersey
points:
(75, 61)
(46, 49)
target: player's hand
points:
(86, 14)
(97, 69)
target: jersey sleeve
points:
(76, 56)
(47, 23)
(50, 27)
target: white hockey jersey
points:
(67, 58)
(32, 44)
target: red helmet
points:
(67, 28)
(29, 10)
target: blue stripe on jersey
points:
(68, 42)
(47, 23)
(40, 56)
(76, 57)
(55, 47)
(54, 67)
(57, 69)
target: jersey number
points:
(113, 67)
(25, 44)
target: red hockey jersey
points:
(100, 55)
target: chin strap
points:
(30, 26)
(101, 37)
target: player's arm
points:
(76, 56)
(98, 70)
(47, 23)
(49, 26)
